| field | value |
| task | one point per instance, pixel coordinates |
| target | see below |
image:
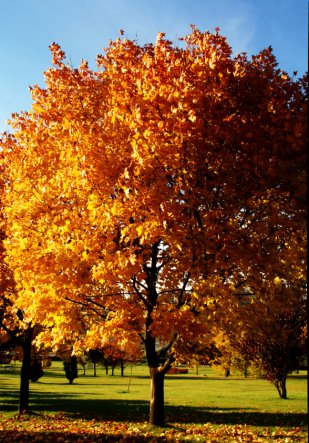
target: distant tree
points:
(273, 332)
(70, 368)
(5, 357)
(83, 360)
(18, 333)
(36, 369)
(95, 356)
(199, 352)
(278, 344)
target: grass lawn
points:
(206, 407)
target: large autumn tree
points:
(146, 191)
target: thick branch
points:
(183, 290)
(138, 292)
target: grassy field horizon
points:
(191, 400)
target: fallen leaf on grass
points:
(61, 429)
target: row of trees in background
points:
(272, 356)
(158, 200)
(10, 354)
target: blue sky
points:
(83, 29)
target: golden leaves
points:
(59, 427)
(58, 54)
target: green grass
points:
(190, 399)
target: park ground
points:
(203, 407)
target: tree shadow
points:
(126, 409)
(241, 416)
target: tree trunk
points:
(157, 373)
(245, 369)
(156, 416)
(281, 388)
(23, 406)
(157, 370)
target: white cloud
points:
(240, 28)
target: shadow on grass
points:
(123, 410)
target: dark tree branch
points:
(182, 291)
(138, 292)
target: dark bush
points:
(70, 368)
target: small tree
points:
(70, 368)
(274, 339)
(95, 357)
(36, 369)
(16, 332)
(277, 352)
